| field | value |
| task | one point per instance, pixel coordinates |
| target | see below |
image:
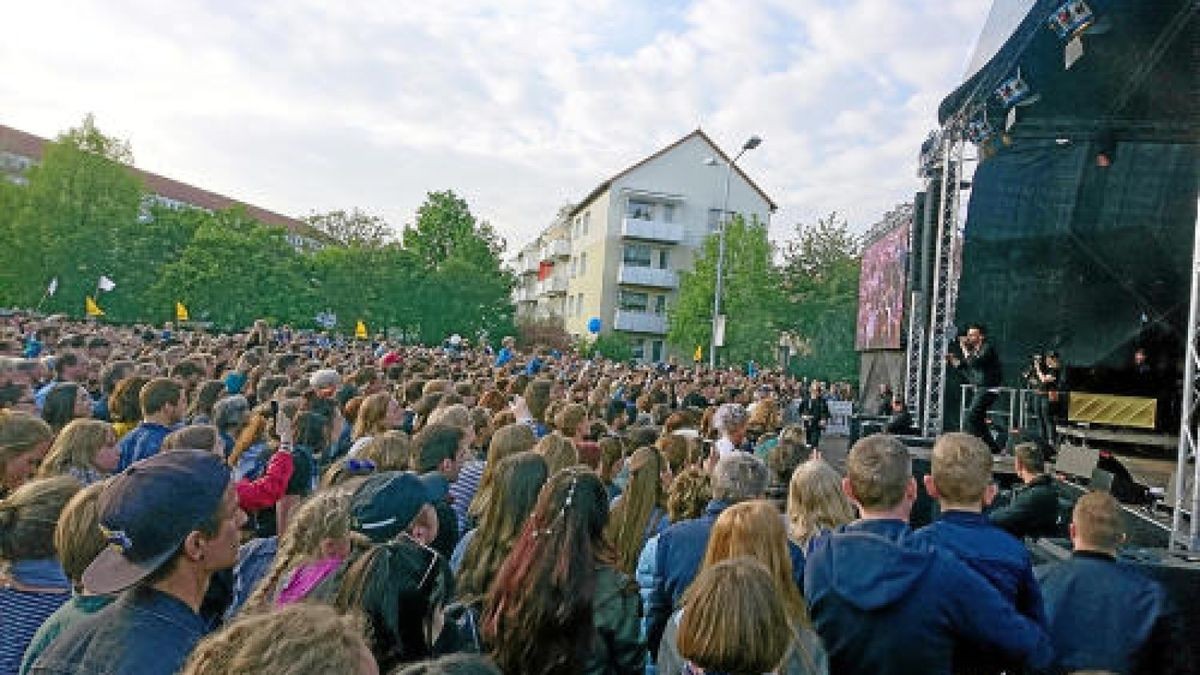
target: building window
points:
(633, 301)
(664, 259)
(668, 213)
(587, 217)
(582, 264)
(572, 268)
(579, 304)
(637, 255)
(714, 219)
(660, 304)
(638, 349)
(640, 209)
(656, 351)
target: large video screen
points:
(881, 289)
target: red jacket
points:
(260, 493)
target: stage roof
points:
(1137, 78)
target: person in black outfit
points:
(1034, 508)
(980, 365)
(1047, 374)
(900, 422)
(815, 412)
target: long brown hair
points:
(518, 481)
(754, 528)
(76, 447)
(507, 440)
(629, 519)
(537, 619)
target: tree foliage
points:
(83, 214)
(352, 228)
(820, 283)
(751, 298)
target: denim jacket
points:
(145, 632)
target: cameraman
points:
(1046, 378)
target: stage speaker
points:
(1076, 460)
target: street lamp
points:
(750, 144)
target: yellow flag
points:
(181, 313)
(699, 355)
(360, 330)
(92, 309)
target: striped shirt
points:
(463, 490)
(21, 614)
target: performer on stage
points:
(980, 365)
(1047, 372)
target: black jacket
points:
(1033, 511)
(982, 368)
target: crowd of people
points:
(274, 501)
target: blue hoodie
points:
(1108, 616)
(883, 605)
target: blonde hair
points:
(558, 451)
(325, 516)
(506, 441)
(734, 619)
(690, 492)
(390, 451)
(961, 468)
(754, 529)
(77, 536)
(371, 414)
(628, 520)
(455, 414)
(816, 501)
(76, 447)
(300, 639)
(1097, 520)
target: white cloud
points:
(518, 106)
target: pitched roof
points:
(697, 133)
(28, 145)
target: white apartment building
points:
(616, 255)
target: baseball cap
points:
(387, 503)
(147, 510)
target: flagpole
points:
(45, 294)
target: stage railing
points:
(1015, 414)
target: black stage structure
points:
(1080, 224)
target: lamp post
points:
(750, 144)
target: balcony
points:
(526, 294)
(552, 286)
(559, 248)
(527, 265)
(651, 230)
(640, 322)
(647, 276)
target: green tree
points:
(234, 271)
(751, 300)
(76, 200)
(353, 228)
(612, 346)
(461, 285)
(820, 281)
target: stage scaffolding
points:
(1189, 419)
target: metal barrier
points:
(1016, 414)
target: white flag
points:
(53, 288)
(106, 284)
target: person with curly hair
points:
(301, 639)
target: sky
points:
(519, 106)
